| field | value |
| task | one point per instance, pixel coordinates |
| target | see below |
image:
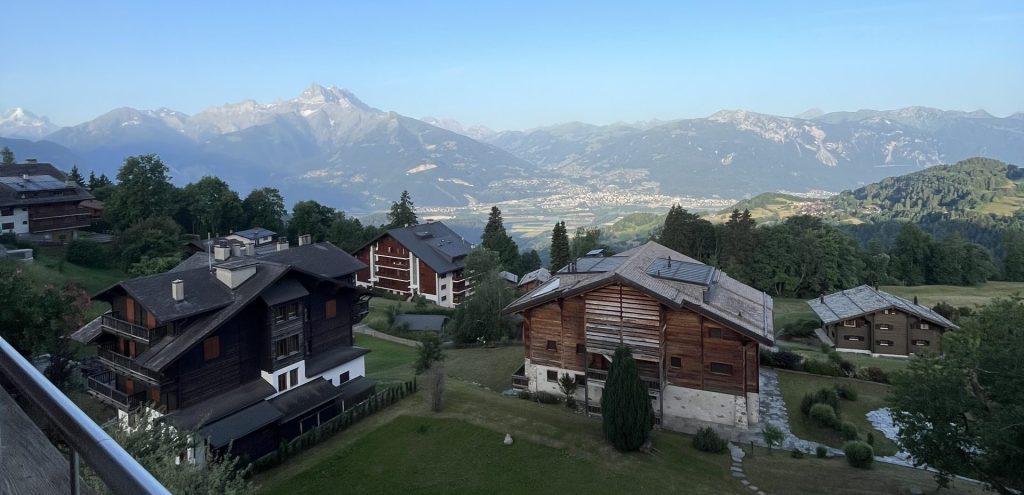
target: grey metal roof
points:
(540, 275)
(255, 233)
(90, 331)
(325, 360)
(437, 245)
(745, 308)
(323, 259)
(221, 405)
(240, 424)
(509, 276)
(419, 323)
(682, 271)
(284, 290)
(203, 293)
(593, 265)
(858, 301)
(305, 398)
(42, 177)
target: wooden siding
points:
(326, 334)
(621, 315)
(573, 332)
(897, 333)
(428, 279)
(545, 325)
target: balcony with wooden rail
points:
(112, 323)
(598, 377)
(103, 386)
(125, 365)
(519, 379)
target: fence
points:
(339, 423)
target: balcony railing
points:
(653, 384)
(127, 366)
(111, 323)
(519, 379)
(119, 471)
(104, 387)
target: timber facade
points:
(248, 351)
(869, 321)
(39, 202)
(695, 341)
(422, 260)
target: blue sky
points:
(518, 65)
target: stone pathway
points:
(773, 412)
(737, 468)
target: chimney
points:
(178, 290)
(821, 298)
(221, 253)
(236, 250)
(250, 248)
(31, 160)
(24, 176)
(235, 273)
(282, 245)
(70, 183)
(305, 239)
(915, 301)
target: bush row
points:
(835, 365)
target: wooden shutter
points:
(129, 310)
(129, 386)
(132, 350)
(211, 348)
(154, 394)
(331, 309)
(150, 320)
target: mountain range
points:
(326, 144)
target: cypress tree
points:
(559, 247)
(627, 414)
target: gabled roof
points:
(203, 293)
(859, 301)
(322, 259)
(41, 177)
(421, 323)
(433, 242)
(254, 233)
(729, 301)
(540, 275)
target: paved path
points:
(736, 470)
(773, 412)
(365, 330)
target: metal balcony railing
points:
(111, 323)
(119, 471)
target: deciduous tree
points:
(264, 207)
(212, 206)
(143, 191)
(479, 317)
(310, 217)
(6, 156)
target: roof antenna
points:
(209, 250)
(670, 261)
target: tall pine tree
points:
(626, 411)
(559, 247)
(403, 212)
(497, 239)
(76, 176)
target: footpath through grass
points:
(871, 396)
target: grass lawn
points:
(789, 310)
(871, 396)
(490, 367)
(889, 365)
(460, 451)
(387, 361)
(778, 473)
(929, 295)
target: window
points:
(850, 323)
(884, 327)
(924, 326)
(715, 333)
(286, 312)
(24, 222)
(330, 309)
(444, 298)
(580, 348)
(282, 382)
(286, 347)
(211, 348)
(7, 226)
(552, 346)
(293, 375)
(921, 343)
(676, 362)
(581, 380)
(552, 376)
(6, 212)
(721, 368)
(884, 343)
(343, 378)
(853, 338)
(444, 286)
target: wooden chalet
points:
(251, 349)
(870, 321)
(422, 260)
(694, 331)
(39, 202)
(533, 279)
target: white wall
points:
(355, 367)
(19, 218)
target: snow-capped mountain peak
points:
(20, 123)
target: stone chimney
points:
(282, 245)
(24, 176)
(178, 290)
(305, 239)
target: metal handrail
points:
(119, 470)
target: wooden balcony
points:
(519, 379)
(103, 386)
(598, 377)
(126, 366)
(112, 324)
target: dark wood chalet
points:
(422, 260)
(38, 201)
(254, 351)
(867, 320)
(694, 331)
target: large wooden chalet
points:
(869, 321)
(39, 202)
(422, 260)
(251, 349)
(694, 332)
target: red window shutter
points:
(129, 386)
(211, 348)
(129, 309)
(150, 320)
(331, 309)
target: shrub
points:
(871, 438)
(800, 328)
(797, 454)
(824, 415)
(859, 454)
(782, 359)
(821, 451)
(827, 396)
(707, 440)
(848, 430)
(825, 348)
(807, 403)
(846, 391)
(546, 398)
(819, 367)
(876, 375)
(86, 253)
(772, 436)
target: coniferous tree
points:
(76, 176)
(584, 241)
(530, 261)
(626, 411)
(403, 212)
(497, 239)
(559, 247)
(688, 234)
(97, 182)
(910, 255)
(6, 156)
(1013, 257)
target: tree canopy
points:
(310, 217)
(479, 317)
(559, 247)
(212, 206)
(264, 207)
(402, 213)
(143, 191)
(497, 239)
